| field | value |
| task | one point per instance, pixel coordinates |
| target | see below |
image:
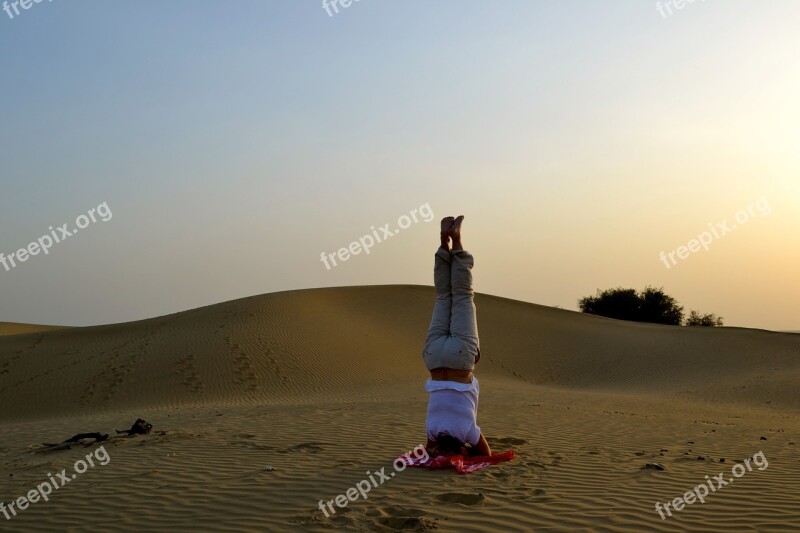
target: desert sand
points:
(13, 328)
(326, 384)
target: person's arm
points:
(482, 447)
(430, 447)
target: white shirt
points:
(453, 410)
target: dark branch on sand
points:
(140, 427)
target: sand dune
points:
(324, 384)
(363, 343)
(13, 328)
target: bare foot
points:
(455, 232)
(447, 225)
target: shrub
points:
(650, 305)
(709, 320)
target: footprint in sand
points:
(407, 522)
(244, 370)
(459, 497)
(399, 518)
(339, 518)
(310, 447)
(507, 440)
(530, 495)
(186, 368)
(536, 464)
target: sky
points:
(240, 148)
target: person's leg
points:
(439, 328)
(463, 319)
(440, 320)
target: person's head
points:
(449, 445)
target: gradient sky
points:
(234, 142)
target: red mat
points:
(462, 464)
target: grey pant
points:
(452, 340)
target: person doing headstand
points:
(451, 350)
